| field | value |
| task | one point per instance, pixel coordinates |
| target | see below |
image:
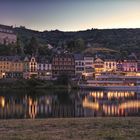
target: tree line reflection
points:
(38, 104)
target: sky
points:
(70, 15)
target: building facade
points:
(44, 68)
(109, 65)
(7, 35)
(16, 68)
(63, 64)
(79, 64)
(138, 64)
(88, 67)
(98, 65)
(119, 66)
(30, 67)
(88, 62)
(130, 65)
(5, 65)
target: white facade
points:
(83, 65)
(79, 66)
(88, 69)
(44, 70)
(44, 67)
(110, 65)
(88, 61)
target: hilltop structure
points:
(7, 35)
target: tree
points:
(80, 44)
(19, 47)
(32, 47)
(63, 79)
(77, 45)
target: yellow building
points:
(98, 65)
(16, 66)
(10, 65)
(5, 65)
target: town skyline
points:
(72, 15)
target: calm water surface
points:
(46, 104)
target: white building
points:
(83, 65)
(79, 64)
(110, 65)
(88, 61)
(44, 69)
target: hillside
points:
(121, 40)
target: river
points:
(33, 104)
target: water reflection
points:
(44, 104)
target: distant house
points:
(130, 65)
(10, 66)
(109, 65)
(138, 65)
(79, 64)
(63, 64)
(30, 67)
(44, 69)
(84, 65)
(98, 65)
(5, 65)
(119, 66)
(88, 66)
(16, 68)
(7, 35)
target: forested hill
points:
(123, 40)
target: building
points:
(16, 68)
(79, 64)
(119, 66)
(138, 65)
(130, 65)
(88, 67)
(98, 65)
(29, 67)
(16, 64)
(44, 69)
(7, 35)
(88, 61)
(109, 65)
(63, 64)
(5, 65)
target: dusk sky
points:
(70, 15)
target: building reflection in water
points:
(78, 104)
(113, 103)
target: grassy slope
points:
(71, 129)
(94, 50)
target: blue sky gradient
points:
(70, 15)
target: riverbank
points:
(34, 84)
(71, 129)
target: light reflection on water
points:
(45, 104)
